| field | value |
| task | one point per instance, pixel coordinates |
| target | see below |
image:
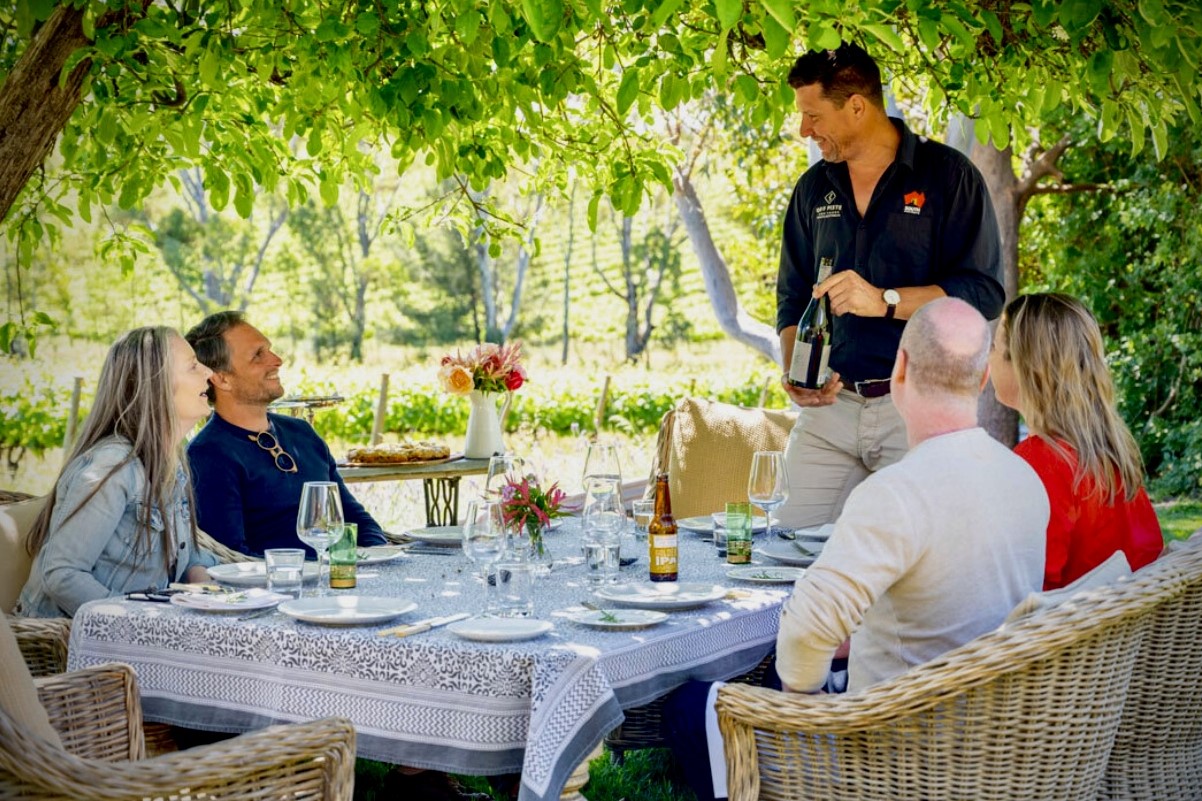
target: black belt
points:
(874, 388)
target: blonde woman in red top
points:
(1048, 363)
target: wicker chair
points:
(1027, 711)
(224, 554)
(43, 643)
(1157, 754)
(99, 716)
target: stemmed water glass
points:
(501, 467)
(602, 512)
(768, 484)
(319, 522)
(484, 539)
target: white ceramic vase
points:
(483, 427)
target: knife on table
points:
(422, 625)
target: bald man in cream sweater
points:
(934, 550)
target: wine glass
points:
(500, 467)
(319, 521)
(768, 484)
(484, 539)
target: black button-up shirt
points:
(930, 221)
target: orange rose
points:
(455, 379)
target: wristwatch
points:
(891, 298)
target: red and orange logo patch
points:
(914, 202)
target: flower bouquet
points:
(527, 507)
(485, 370)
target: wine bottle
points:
(810, 366)
(661, 534)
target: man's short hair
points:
(841, 73)
(945, 354)
(207, 339)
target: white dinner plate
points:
(704, 524)
(347, 610)
(617, 619)
(765, 575)
(451, 536)
(799, 553)
(822, 532)
(373, 554)
(228, 601)
(252, 574)
(500, 629)
(661, 595)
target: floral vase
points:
(483, 427)
(540, 555)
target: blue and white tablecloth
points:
(434, 700)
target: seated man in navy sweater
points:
(248, 466)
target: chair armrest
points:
(96, 711)
(311, 760)
(43, 643)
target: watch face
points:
(891, 297)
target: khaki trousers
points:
(832, 449)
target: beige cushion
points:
(709, 448)
(18, 697)
(1110, 571)
(15, 521)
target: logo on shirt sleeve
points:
(914, 202)
(830, 210)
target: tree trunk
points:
(716, 275)
(567, 275)
(33, 107)
(996, 167)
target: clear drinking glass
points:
(484, 539)
(319, 521)
(602, 461)
(602, 511)
(768, 484)
(643, 512)
(500, 467)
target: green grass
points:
(1179, 519)
(646, 775)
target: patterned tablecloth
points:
(434, 700)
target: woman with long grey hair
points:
(1049, 363)
(120, 517)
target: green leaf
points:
(821, 36)
(328, 189)
(1108, 123)
(1160, 140)
(593, 202)
(1137, 131)
(782, 12)
(1099, 68)
(368, 23)
(718, 63)
(1043, 12)
(1153, 12)
(210, 63)
(628, 90)
(747, 89)
(729, 12)
(218, 184)
(886, 35)
(467, 25)
(666, 9)
(8, 332)
(776, 38)
(544, 17)
(314, 144)
(671, 91)
(244, 197)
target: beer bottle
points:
(661, 534)
(344, 555)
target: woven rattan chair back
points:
(1027, 711)
(224, 554)
(97, 713)
(1157, 753)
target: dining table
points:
(435, 700)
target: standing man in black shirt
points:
(903, 221)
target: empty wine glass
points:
(768, 484)
(319, 521)
(484, 540)
(501, 467)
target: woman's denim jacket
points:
(96, 553)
